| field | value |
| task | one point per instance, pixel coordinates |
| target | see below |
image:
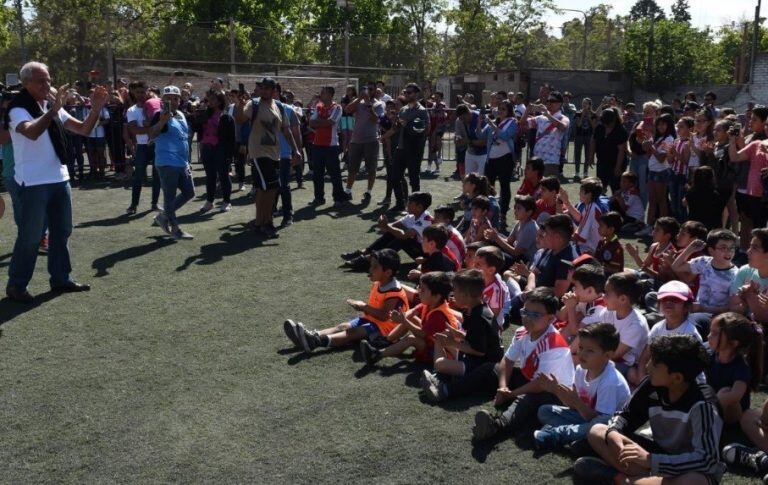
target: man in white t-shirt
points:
(37, 124)
(551, 126)
(138, 127)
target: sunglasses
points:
(530, 315)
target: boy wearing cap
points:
(170, 133)
(267, 119)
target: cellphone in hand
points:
(166, 106)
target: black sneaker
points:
(317, 202)
(359, 263)
(292, 332)
(366, 197)
(310, 340)
(486, 426)
(287, 221)
(746, 457)
(370, 354)
(351, 255)
(270, 232)
(594, 470)
(131, 210)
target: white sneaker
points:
(226, 207)
(240, 187)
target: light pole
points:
(584, 53)
(755, 35)
(347, 6)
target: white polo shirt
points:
(36, 162)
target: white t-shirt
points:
(587, 233)
(35, 161)
(634, 203)
(633, 331)
(136, 114)
(607, 393)
(553, 356)
(418, 225)
(98, 130)
(654, 165)
(686, 328)
(714, 284)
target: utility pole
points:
(231, 45)
(346, 5)
(22, 47)
(586, 31)
(755, 36)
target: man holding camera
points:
(551, 126)
(37, 123)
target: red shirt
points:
(529, 188)
(541, 206)
(610, 252)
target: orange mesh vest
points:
(377, 298)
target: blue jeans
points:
(13, 191)
(38, 203)
(175, 178)
(285, 187)
(638, 165)
(327, 158)
(140, 161)
(676, 194)
(567, 425)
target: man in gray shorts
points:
(365, 138)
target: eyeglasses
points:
(529, 314)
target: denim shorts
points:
(662, 177)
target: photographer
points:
(364, 144)
(756, 153)
(37, 123)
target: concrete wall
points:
(582, 84)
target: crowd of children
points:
(581, 330)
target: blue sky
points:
(703, 12)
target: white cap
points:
(168, 90)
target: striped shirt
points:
(496, 296)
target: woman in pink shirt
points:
(218, 149)
(756, 153)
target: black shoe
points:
(486, 426)
(359, 263)
(131, 210)
(71, 287)
(21, 296)
(594, 470)
(397, 208)
(351, 255)
(366, 197)
(746, 457)
(291, 331)
(317, 202)
(287, 221)
(370, 354)
(270, 232)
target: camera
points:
(735, 129)
(9, 92)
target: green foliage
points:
(644, 9)
(680, 11)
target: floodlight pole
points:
(231, 45)
(755, 35)
(22, 47)
(586, 19)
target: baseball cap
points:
(581, 260)
(169, 90)
(675, 289)
(268, 82)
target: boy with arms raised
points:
(684, 420)
(375, 324)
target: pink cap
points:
(675, 289)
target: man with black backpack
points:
(414, 120)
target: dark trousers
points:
(387, 241)
(327, 159)
(141, 159)
(240, 167)
(581, 146)
(407, 156)
(285, 187)
(501, 168)
(216, 166)
(75, 146)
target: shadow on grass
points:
(104, 263)
(113, 221)
(230, 244)
(301, 357)
(5, 260)
(10, 309)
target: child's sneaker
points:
(309, 339)
(746, 457)
(544, 440)
(291, 330)
(594, 470)
(371, 355)
(427, 378)
(351, 255)
(486, 426)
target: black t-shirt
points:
(607, 145)
(725, 171)
(706, 207)
(551, 267)
(482, 335)
(437, 261)
(721, 375)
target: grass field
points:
(175, 367)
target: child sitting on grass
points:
(664, 232)
(404, 234)
(479, 223)
(599, 391)
(684, 420)
(433, 242)
(716, 272)
(546, 204)
(489, 261)
(621, 293)
(736, 363)
(475, 185)
(445, 214)
(754, 424)
(534, 171)
(521, 243)
(587, 215)
(375, 324)
(609, 252)
(585, 299)
(628, 203)
(417, 327)
(476, 344)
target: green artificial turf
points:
(175, 367)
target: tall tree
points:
(681, 11)
(644, 9)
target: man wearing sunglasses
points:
(414, 121)
(551, 126)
